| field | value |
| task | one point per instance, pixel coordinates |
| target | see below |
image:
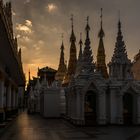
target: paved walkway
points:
(28, 127)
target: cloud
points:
(28, 23)
(51, 7)
(23, 28)
(26, 27)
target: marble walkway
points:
(34, 127)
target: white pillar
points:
(21, 96)
(119, 108)
(9, 97)
(138, 109)
(82, 108)
(113, 106)
(102, 108)
(78, 106)
(1, 96)
(14, 98)
(2, 113)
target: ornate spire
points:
(62, 66)
(120, 65)
(87, 30)
(87, 53)
(62, 53)
(72, 59)
(72, 38)
(101, 32)
(79, 61)
(101, 64)
(120, 54)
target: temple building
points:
(136, 67)
(94, 97)
(12, 79)
(45, 94)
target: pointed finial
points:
(71, 20)
(87, 28)
(101, 33)
(72, 38)
(62, 36)
(119, 22)
(87, 19)
(101, 16)
(62, 46)
(119, 15)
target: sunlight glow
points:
(51, 7)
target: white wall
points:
(52, 103)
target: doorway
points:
(90, 108)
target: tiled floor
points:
(34, 127)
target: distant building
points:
(45, 94)
(136, 67)
(47, 72)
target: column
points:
(82, 109)
(14, 99)
(138, 109)
(9, 98)
(78, 107)
(102, 108)
(119, 108)
(21, 96)
(113, 106)
(2, 101)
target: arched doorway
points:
(128, 108)
(90, 108)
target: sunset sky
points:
(38, 24)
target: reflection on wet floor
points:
(34, 127)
